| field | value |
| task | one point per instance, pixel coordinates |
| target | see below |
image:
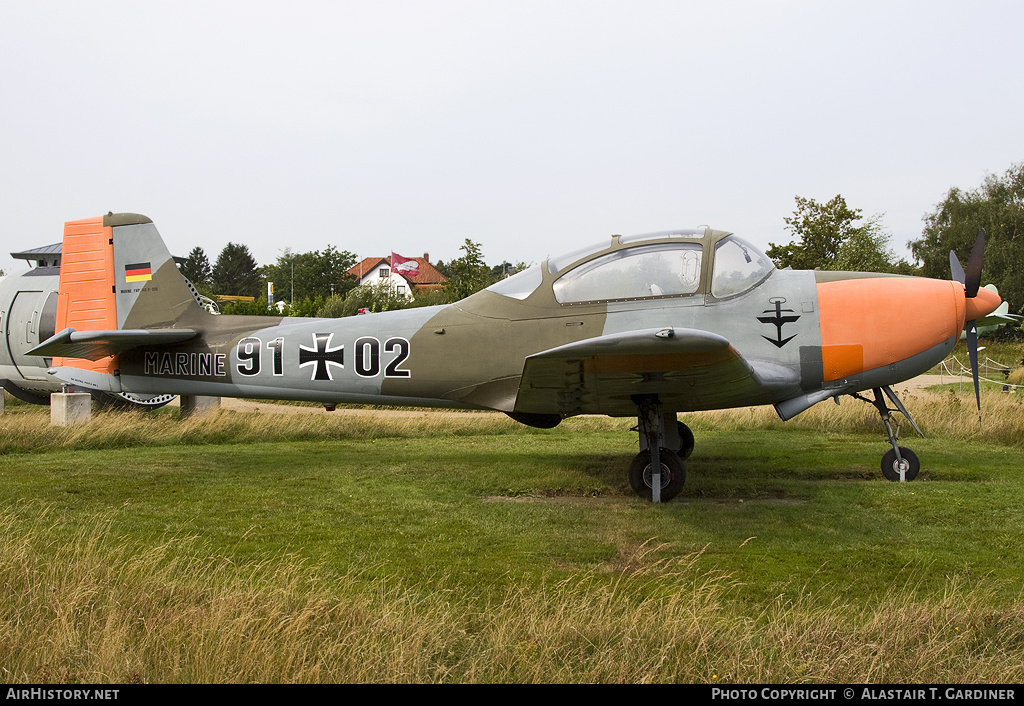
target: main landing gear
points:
(899, 463)
(657, 472)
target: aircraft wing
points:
(688, 369)
(93, 345)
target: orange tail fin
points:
(119, 288)
(86, 301)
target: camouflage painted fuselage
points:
(782, 337)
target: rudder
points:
(86, 300)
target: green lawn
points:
(483, 507)
(493, 507)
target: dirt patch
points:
(578, 499)
(759, 500)
(921, 383)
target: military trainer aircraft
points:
(642, 325)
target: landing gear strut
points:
(899, 463)
(658, 472)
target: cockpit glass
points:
(521, 284)
(634, 273)
(738, 267)
(693, 233)
(557, 264)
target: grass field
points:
(452, 547)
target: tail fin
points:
(150, 291)
(119, 288)
(86, 298)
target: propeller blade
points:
(973, 280)
(954, 266)
(972, 351)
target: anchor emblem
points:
(778, 320)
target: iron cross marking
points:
(778, 320)
(322, 356)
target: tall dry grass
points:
(952, 414)
(79, 605)
(31, 431)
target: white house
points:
(374, 270)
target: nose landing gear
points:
(899, 463)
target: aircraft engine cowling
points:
(869, 323)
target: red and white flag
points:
(404, 266)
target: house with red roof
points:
(407, 278)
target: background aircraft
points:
(645, 325)
(28, 315)
(997, 319)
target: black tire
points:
(686, 441)
(673, 474)
(891, 467)
(24, 395)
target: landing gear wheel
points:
(686, 441)
(673, 474)
(129, 401)
(891, 466)
(24, 395)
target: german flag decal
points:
(139, 272)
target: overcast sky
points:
(530, 127)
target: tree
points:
(503, 270)
(313, 274)
(257, 307)
(467, 274)
(235, 272)
(197, 269)
(866, 249)
(374, 297)
(998, 207)
(829, 239)
(819, 230)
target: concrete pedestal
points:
(70, 408)
(196, 406)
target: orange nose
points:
(983, 304)
(867, 323)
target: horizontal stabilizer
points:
(93, 345)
